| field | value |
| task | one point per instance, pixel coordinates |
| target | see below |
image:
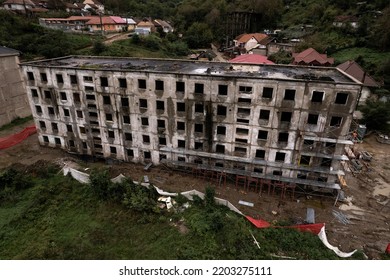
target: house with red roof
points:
(353, 69)
(311, 57)
(23, 6)
(252, 41)
(251, 58)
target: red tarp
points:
(388, 249)
(14, 139)
(313, 228)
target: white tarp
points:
(118, 179)
(77, 175)
(324, 239)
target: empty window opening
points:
(199, 88)
(302, 176)
(336, 121)
(260, 154)
(30, 76)
(85, 146)
(312, 119)
(43, 77)
(88, 88)
(47, 94)
(54, 127)
(122, 82)
(111, 134)
(244, 111)
(104, 81)
(82, 129)
(244, 100)
(277, 173)
(181, 158)
(161, 123)
(143, 103)
(305, 160)
(180, 106)
(326, 162)
(308, 142)
(317, 96)
(245, 89)
(145, 121)
(198, 161)
(106, 100)
(42, 124)
(267, 92)
(34, 92)
(222, 89)
(128, 136)
(141, 84)
(199, 108)
(73, 79)
(322, 179)
(71, 143)
(180, 86)
(242, 121)
(95, 130)
(264, 114)
(239, 140)
(219, 164)
(126, 119)
(57, 140)
(258, 170)
(93, 114)
(221, 110)
(220, 148)
(162, 141)
(87, 78)
(283, 137)
(279, 156)
(263, 135)
(242, 131)
(221, 130)
(159, 85)
(160, 105)
(341, 98)
(181, 125)
(69, 128)
(286, 117)
(66, 113)
(50, 110)
(45, 139)
(181, 143)
(198, 127)
(289, 94)
(109, 117)
(90, 97)
(60, 79)
(98, 146)
(125, 102)
(198, 145)
(76, 97)
(112, 150)
(130, 153)
(146, 139)
(38, 109)
(240, 150)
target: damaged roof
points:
(206, 68)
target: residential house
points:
(162, 25)
(14, 102)
(95, 5)
(23, 6)
(254, 42)
(73, 8)
(130, 23)
(251, 58)
(345, 21)
(275, 47)
(312, 57)
(356, 71)
(145, 27)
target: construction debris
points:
(250, 204)
(310, 216)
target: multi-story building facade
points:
(278, 122)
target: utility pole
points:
(101, 23)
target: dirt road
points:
(361, 223)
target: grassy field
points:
(55, 217)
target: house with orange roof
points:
(311, 57)
(250, 42)
(251, 59)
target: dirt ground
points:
(361, 222)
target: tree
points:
(376, 115)
(199, 35)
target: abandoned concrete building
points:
(13, 100)
(281, 123)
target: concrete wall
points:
(13, 98)
(208, 128)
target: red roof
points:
(352, 68)
(312, 57)
(118, 20)
(251, 58)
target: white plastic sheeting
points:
(77, 175)
(324, 239)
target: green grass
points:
(367, 54)
(59, 218)
(16, 122)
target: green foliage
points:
(199, 35)
(99, 47)
(100, 183)
(16, 122)
(140, 198)
(281, 57)
(376, 115)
